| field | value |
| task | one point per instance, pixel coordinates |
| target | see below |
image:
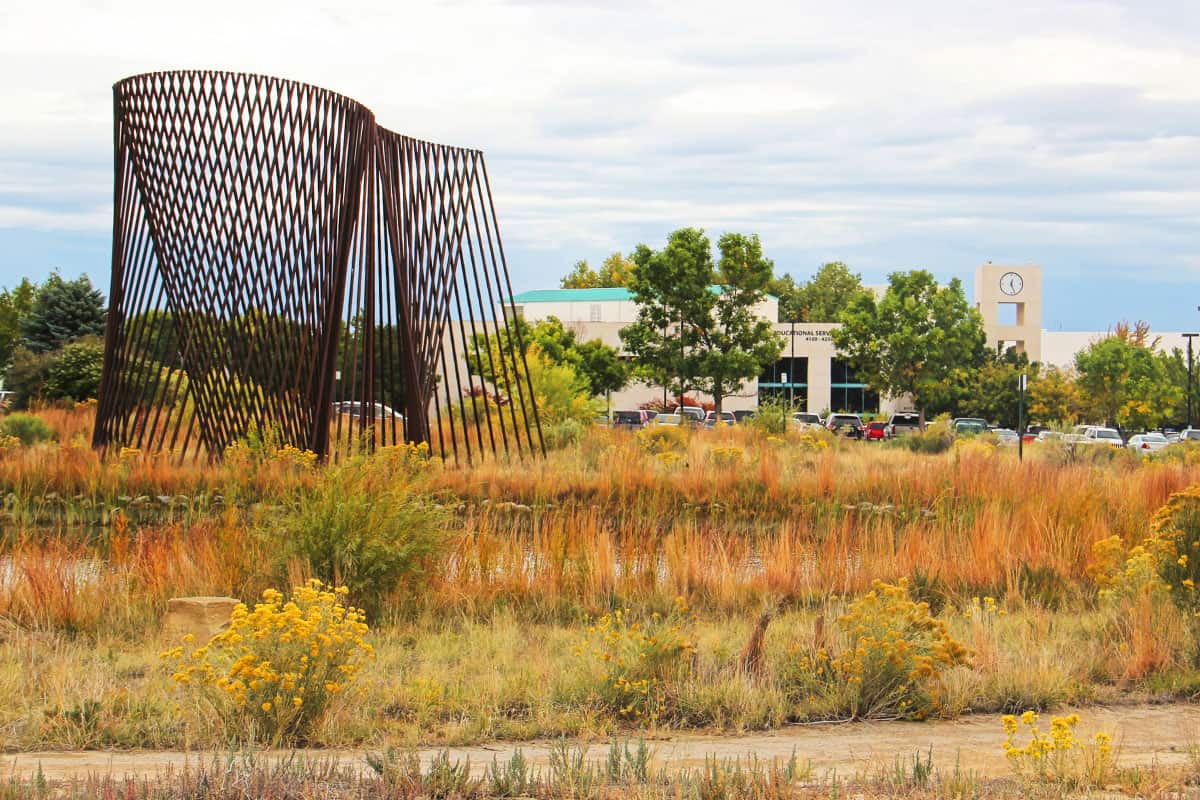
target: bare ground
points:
(1166, 735)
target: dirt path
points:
(1145, 734)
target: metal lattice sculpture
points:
(284, 267)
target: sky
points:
(891, 136)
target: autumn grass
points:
(480, 642)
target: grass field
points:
(732, 576)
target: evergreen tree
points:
(63, 311)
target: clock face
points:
(1011, 283)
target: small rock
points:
(203, 617)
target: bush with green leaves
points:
(26, 427)
(75, 372)
(366, 527)
(771, 418)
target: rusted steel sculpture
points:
(283, 267)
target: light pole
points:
(1189, 337)
(792, 366)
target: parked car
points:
(1049, 436)
(1006, 437)
(1190, 435)
(668, 419)
(743, 415)
(727, 418)
(877, 431)
(846, 424)
(807, 421)
(370, 411)
(904, 422)
(968, 426)
(1106, 436)
(1147, 442)
(692, 413)
(635, 418)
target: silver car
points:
(1147, 443)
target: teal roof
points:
(571, 295)
(584, 295)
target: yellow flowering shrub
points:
(889, 662)
(662, 439)
(1056, 755)
(271, 675)
(295, 457)
(726, 456)
(639, 659)
(810, 441)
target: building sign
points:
(810, 335)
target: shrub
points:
(1174, 542)
(936, 438)
(1057, 756)
(890, 662)
(26, 427)
(641, 660)
(364, 527)
(75, 372)
(662, 439)
(271, 675)
(562, 434)
(771, 418)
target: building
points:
(810, 373)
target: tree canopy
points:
(63, 311)
(614, 272)
(15, 305)
(920, 339)
(697, 325)
(1125, 381)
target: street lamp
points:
(1189, 337)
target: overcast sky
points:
(887, 135)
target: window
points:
(847, 392)
(785, 381)
(595, 312)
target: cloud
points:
(932, 133)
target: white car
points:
(807, 421)
(1007, 437)
(1106, 436)
(1147, 442)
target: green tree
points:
(1125, 382)
(27, 375)
(594, 362)
(707, 337)
(75, 371)
(832, 290)
(581, 276)
(62, 311)
(791, 308)
(1054, 397)
(603, 368)
(615, 271)
(920, 339)
(993, 393)
(15, 305)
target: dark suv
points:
(846, 424)
(630, 419)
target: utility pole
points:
(792, 366)
(1189, 337)
(1021, 416)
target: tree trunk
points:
(921, 419)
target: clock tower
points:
(1009, 297)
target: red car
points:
(876, 431)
